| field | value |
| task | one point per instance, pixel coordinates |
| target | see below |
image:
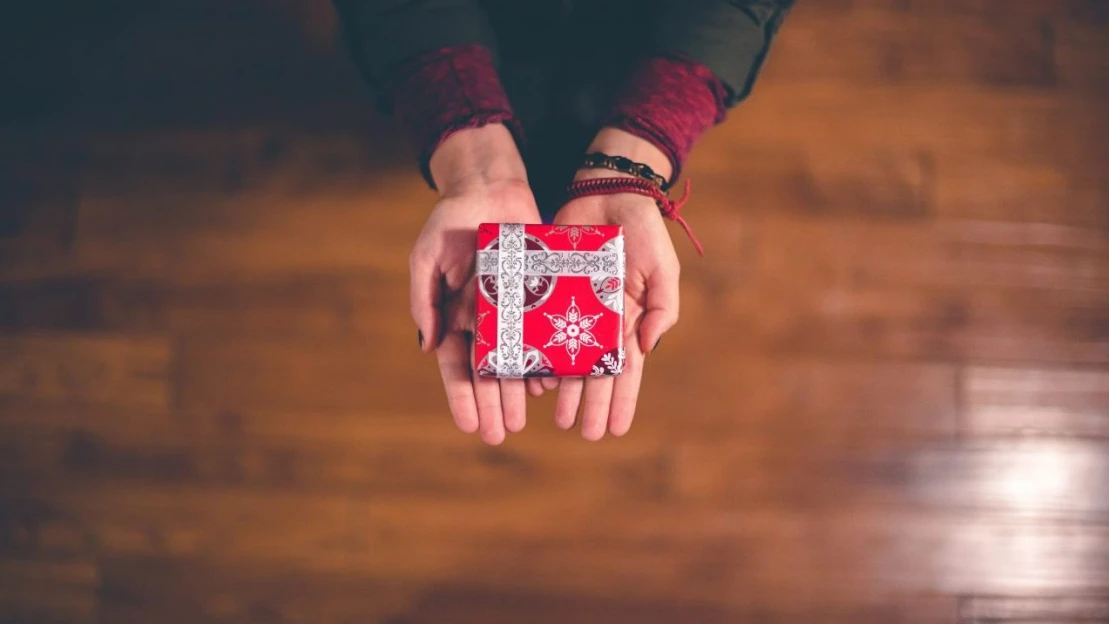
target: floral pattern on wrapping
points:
(574, 233)
(611, 363)
(572, 330)
(478, 322)
(535, 364)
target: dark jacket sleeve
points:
(382, 34)
(730, 37)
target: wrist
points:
(617, 142)
(474, 157)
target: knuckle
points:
(488, 407)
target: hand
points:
(481, 178)
(650, 291)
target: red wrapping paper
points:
(550, 300)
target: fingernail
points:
(656, 344)
(420, 337)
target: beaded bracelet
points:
(598, 160)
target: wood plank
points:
(959, 254)
(48, 303)
(287, 194)
(1051, 480)
(340, 374)
(1025, 478)
(973, 292)
(180, 591)
(93, 369)
(819, 181)
(889, 47)
(1036, 401)
(900, 323)
(800, 399)
(1000, 188)
(1061, 608)
(1082, 54)
(184, 591)
(114, 238)
(483, 605)
(1076, 10)
(368, 303)
(629, 549)
(39, 198)
(47, 592)
(207, 162)
(357, 454)
(31, 530)
(885, 401)
(938, 119)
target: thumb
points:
(662, 307)
(425, 291)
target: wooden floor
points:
(887, 400)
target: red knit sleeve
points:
(444, 91)
(671, 102)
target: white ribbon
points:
(592, 264)
(510, 301)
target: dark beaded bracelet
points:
(597, 160)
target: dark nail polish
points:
(420, 337)
(656, 344)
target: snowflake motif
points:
(572, 330)
(610, 365)
(478, 338)
(575, 232)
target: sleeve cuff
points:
(670, 101)
(442, 92)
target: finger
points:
(594, 414)
(569, 399)
(424, 295)
(513, 404)
(454, 366)
(662, 305)
(487, 395)
(549, 383)
(535, 387)
(625, 392)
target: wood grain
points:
(885, 402)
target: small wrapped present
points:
(550, 300)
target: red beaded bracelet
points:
(611, 186)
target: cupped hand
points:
(650, 290)
(650, 309)
(481, 180)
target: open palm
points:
(442, 302)
(650, 309)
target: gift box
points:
(550, 300)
